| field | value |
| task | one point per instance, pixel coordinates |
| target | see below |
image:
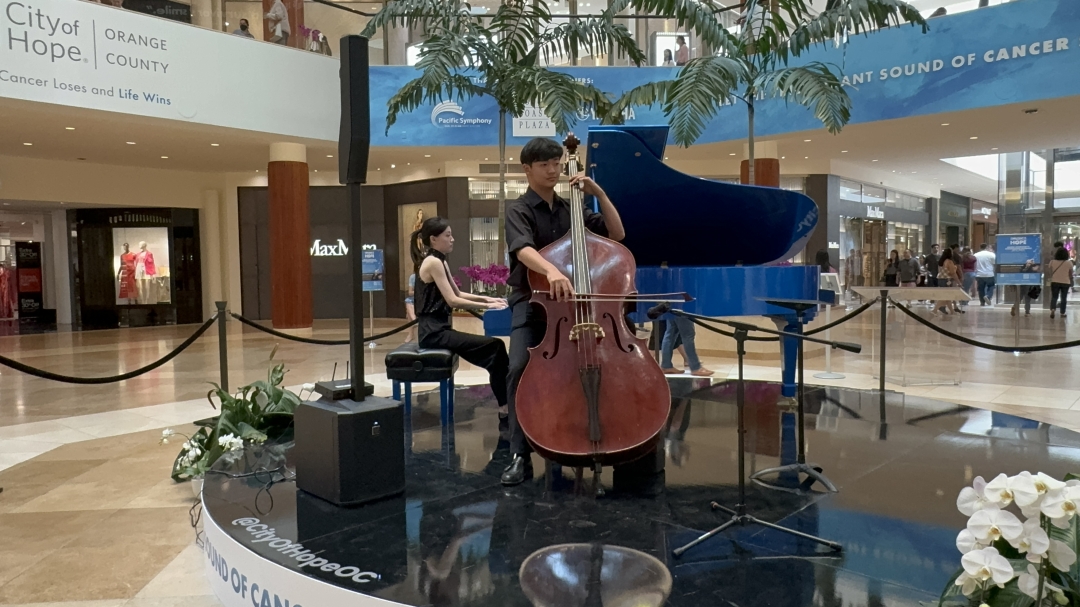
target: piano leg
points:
(789, 355)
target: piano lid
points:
(682, 220)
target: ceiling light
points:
(913, 172)
(28, 144)
(164, 157)
(973, 138)
(781, 158)
(131, 143)
(316, 170)
(665, 157)
(731, 154)
(378, 169)
(485, 159)
(24, 223)
(256, 170)
(393, 166)
(806, 141)
(843, 151)
(806, 158)
(511, 158)
(69, 128)
(873, 161)
(993, 148)
(944, 124)
(427, 155)
(329, 155)
(408, 164)
(214, 145)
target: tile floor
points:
(86, 487)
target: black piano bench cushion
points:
(409, 362)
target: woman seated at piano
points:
(436, 295)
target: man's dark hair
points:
(934, 245)
(983, 246)
(1058, 244)
(540, 149)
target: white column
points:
(288, 152)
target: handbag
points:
(1034, 292)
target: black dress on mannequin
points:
(436, 331)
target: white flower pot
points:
(197, 486)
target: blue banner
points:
(1019, 259)
(1012, 53)
(373, 270)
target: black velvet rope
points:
(980, 344)
(866, 306)
(67, 379)
(318, 342)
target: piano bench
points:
(408, 364)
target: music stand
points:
(739, 514)
(813, 473)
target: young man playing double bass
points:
(537, 219)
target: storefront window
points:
(483, 241)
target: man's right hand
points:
(560, 287)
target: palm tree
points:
(504, 57)
(753, 62)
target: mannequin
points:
(145, 270)
(125, 276)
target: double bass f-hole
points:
(615, 332)
(555, 348)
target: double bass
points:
(592, 394)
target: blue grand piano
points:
(716, 241)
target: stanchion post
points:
(881, 363)
(223, 345)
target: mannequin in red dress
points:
(126, 276)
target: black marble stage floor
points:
(459, 538)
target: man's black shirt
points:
(531, 222)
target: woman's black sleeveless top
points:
(432, 311)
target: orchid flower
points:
(968, 585)
(1033, 541)
(966, 542)
(1061, 505)
(990, 525)
(972, 499)
(987, 565)
(1061, 555)
(1004, 490)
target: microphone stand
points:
(739, 514)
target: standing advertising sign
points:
(28, 270)
(1019, 259)
(373, 269)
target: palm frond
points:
(433, 15)
(516, 25)
(431, 87)
(593, 35)
(699, 16)
(842, 18)
(559, 96)
(645, 95)
(813, 84)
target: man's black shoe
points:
(519, 471)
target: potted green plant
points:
(257, 412)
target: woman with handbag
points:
(948, 276)
(1061, 279)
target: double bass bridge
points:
(586, 328)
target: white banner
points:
(88, 55)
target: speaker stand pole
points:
(356, 312)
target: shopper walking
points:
(909, 270)
(967, 264)
(932, 263)
(985, 262)
(1061, 279)
(892, 269)
(949, 275)
(679, 327)
(278, 22)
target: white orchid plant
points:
(1018, 561)
(256, 412)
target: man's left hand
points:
(587, 185)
